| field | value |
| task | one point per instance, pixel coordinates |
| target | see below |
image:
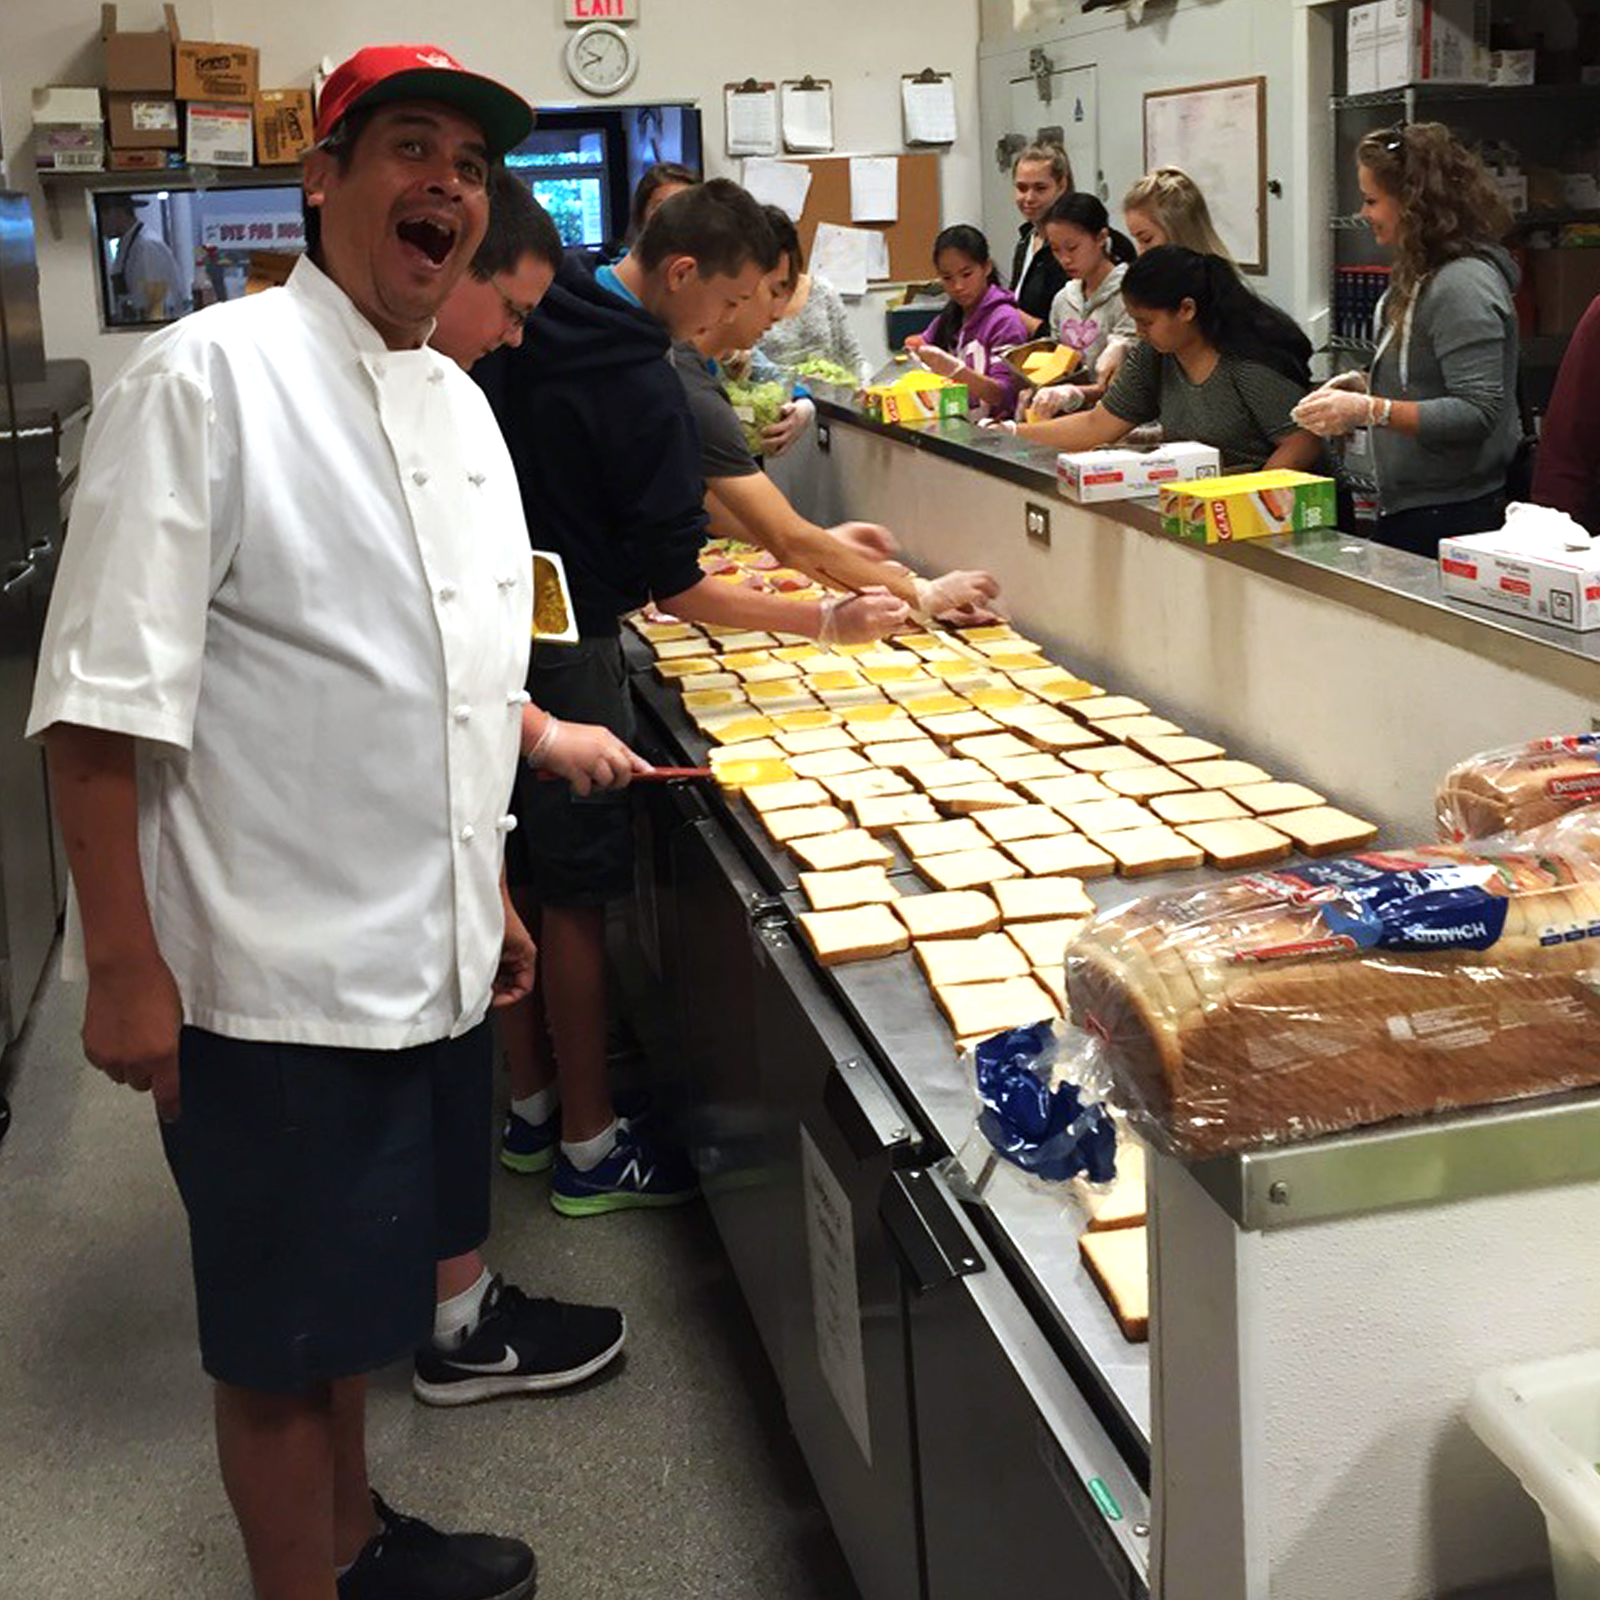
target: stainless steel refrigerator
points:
(44, 407)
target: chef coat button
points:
(419, 477)
(463, 713)
(476, 479)
(519, 697)
(468, 834)
(506, 824)
(506, 583)
(447, 591)
(436, 376)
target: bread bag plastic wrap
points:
(1519, 787)
(1319, 997)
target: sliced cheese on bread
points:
(952, 914)
(741, 730)
(1264, 798)
(921, 839)
(1023, 822)
(1323, 830)
(966, 869)
(1140, 852)
(806, 721)
(754, 772)
(838, 890)
(1118, 1260)
(1239, 842)
(884, 813)
(1042, 899)
(1197, 805)
(861, 933)
(1044, 943)
(985, 959)
(829, 852)
(978, 1010)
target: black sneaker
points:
(520, 1346)
(408, 1560)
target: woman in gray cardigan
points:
(1441, 398)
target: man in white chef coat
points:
(145, 276)
(281, 694)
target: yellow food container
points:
(1251, 505)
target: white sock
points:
(456, 1319)
(587, 1154)
(539, 1106)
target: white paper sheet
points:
(930, 111)
(877, 255)
(752, 123)
(784, 184)
(840, 255)
(807, 118)
(874, 189)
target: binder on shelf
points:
(750, 112)
(807, 115)
(928, 107)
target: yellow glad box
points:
(917, 397)
(1251, 505)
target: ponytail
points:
(1232, 318)
(968, 241)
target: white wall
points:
(688, 50)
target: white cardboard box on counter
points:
(1090, 475)
(1494, 570)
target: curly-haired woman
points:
(1441, 398)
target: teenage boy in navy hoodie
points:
(609, 462)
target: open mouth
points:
(434, 239)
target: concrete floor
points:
(674, 1479)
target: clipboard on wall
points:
(928, 107)
(806, 110)
(750, 118)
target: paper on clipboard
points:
(874, 189)
(784, 184)
(752, 121)
(929, 110)
(840, 255)
(877, 255)
(807, 116)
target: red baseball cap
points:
(383, 73)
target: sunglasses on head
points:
(1394, 140)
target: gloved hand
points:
(940, 361)
(793, 420)
(1058, 400)
(998, 424)
(1355, 381)
(861, 618)
(869, 538)
(1331, 413)
(956, 596)
(587, 756)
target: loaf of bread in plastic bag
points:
(1320, 997)
(1519, 787)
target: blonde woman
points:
(1039, 177)
(1440, 398)
(1167, 207)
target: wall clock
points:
(602, 58)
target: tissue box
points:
(920, 397)
(1490, 569)
(1250, 505)
(1090, 475)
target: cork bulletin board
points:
(910, 237)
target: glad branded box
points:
(1090, 475)
(1502, 570)
(1251, 505)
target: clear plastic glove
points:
(1331, 413)
(957, 596)
(861, 618)
(870, 539)
(943, 362)
(1057, 400)
(792, 421)
(998, 424)
(1355, 381)
(587, 756)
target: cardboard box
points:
(141, 62)
(1251, 505)
(1361, 50)
(1091, 475)
(141, 160)
(1431, 41)
(219, 136)
(1564, 591)
(1017, 354)
(70, 149)
(1512, 69)
(142, 121)
(923, 402)
(217, 72)
(284, 126)
(1564, 282)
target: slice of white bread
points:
(803, 822)
(976, 1010)
(1125, 1204)
(1053, 980)
(1070, 854)
(1101, 707)
(1058, 793)
(1197, 805)
(1105, 758)
(903, 753)
(950, 773)
(1059, 733)
(966, 869)
(785, 796)
(1131, 729)
(829, 852)
(1140, 783)
(984, 959)
(1140, 852)
(1176, 747)
(919, 839)
(1222, 774)
(1238, 842)
(884, 813)
(968, 799)
(837, 891)
(1265, 798)
(987, 747)
(685, 644)
(1042, 899)
(1325, 829)
(1118, 1260)
(1099, 817)
(757, 750)
(874, 783)
(945, 725)
(1044, 943)
(809, 741)
(1013, 769)
(1023, 822)
(858, 934)
(953, 914)
(845, 701)
(697, 682)
(829, 764)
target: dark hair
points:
(518, 226)
(340, 143)
(1088, 212)
(967, 241)
(655, 178)
(716, 222)
(1232, 318)
(785, 242)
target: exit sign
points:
(602, 10)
